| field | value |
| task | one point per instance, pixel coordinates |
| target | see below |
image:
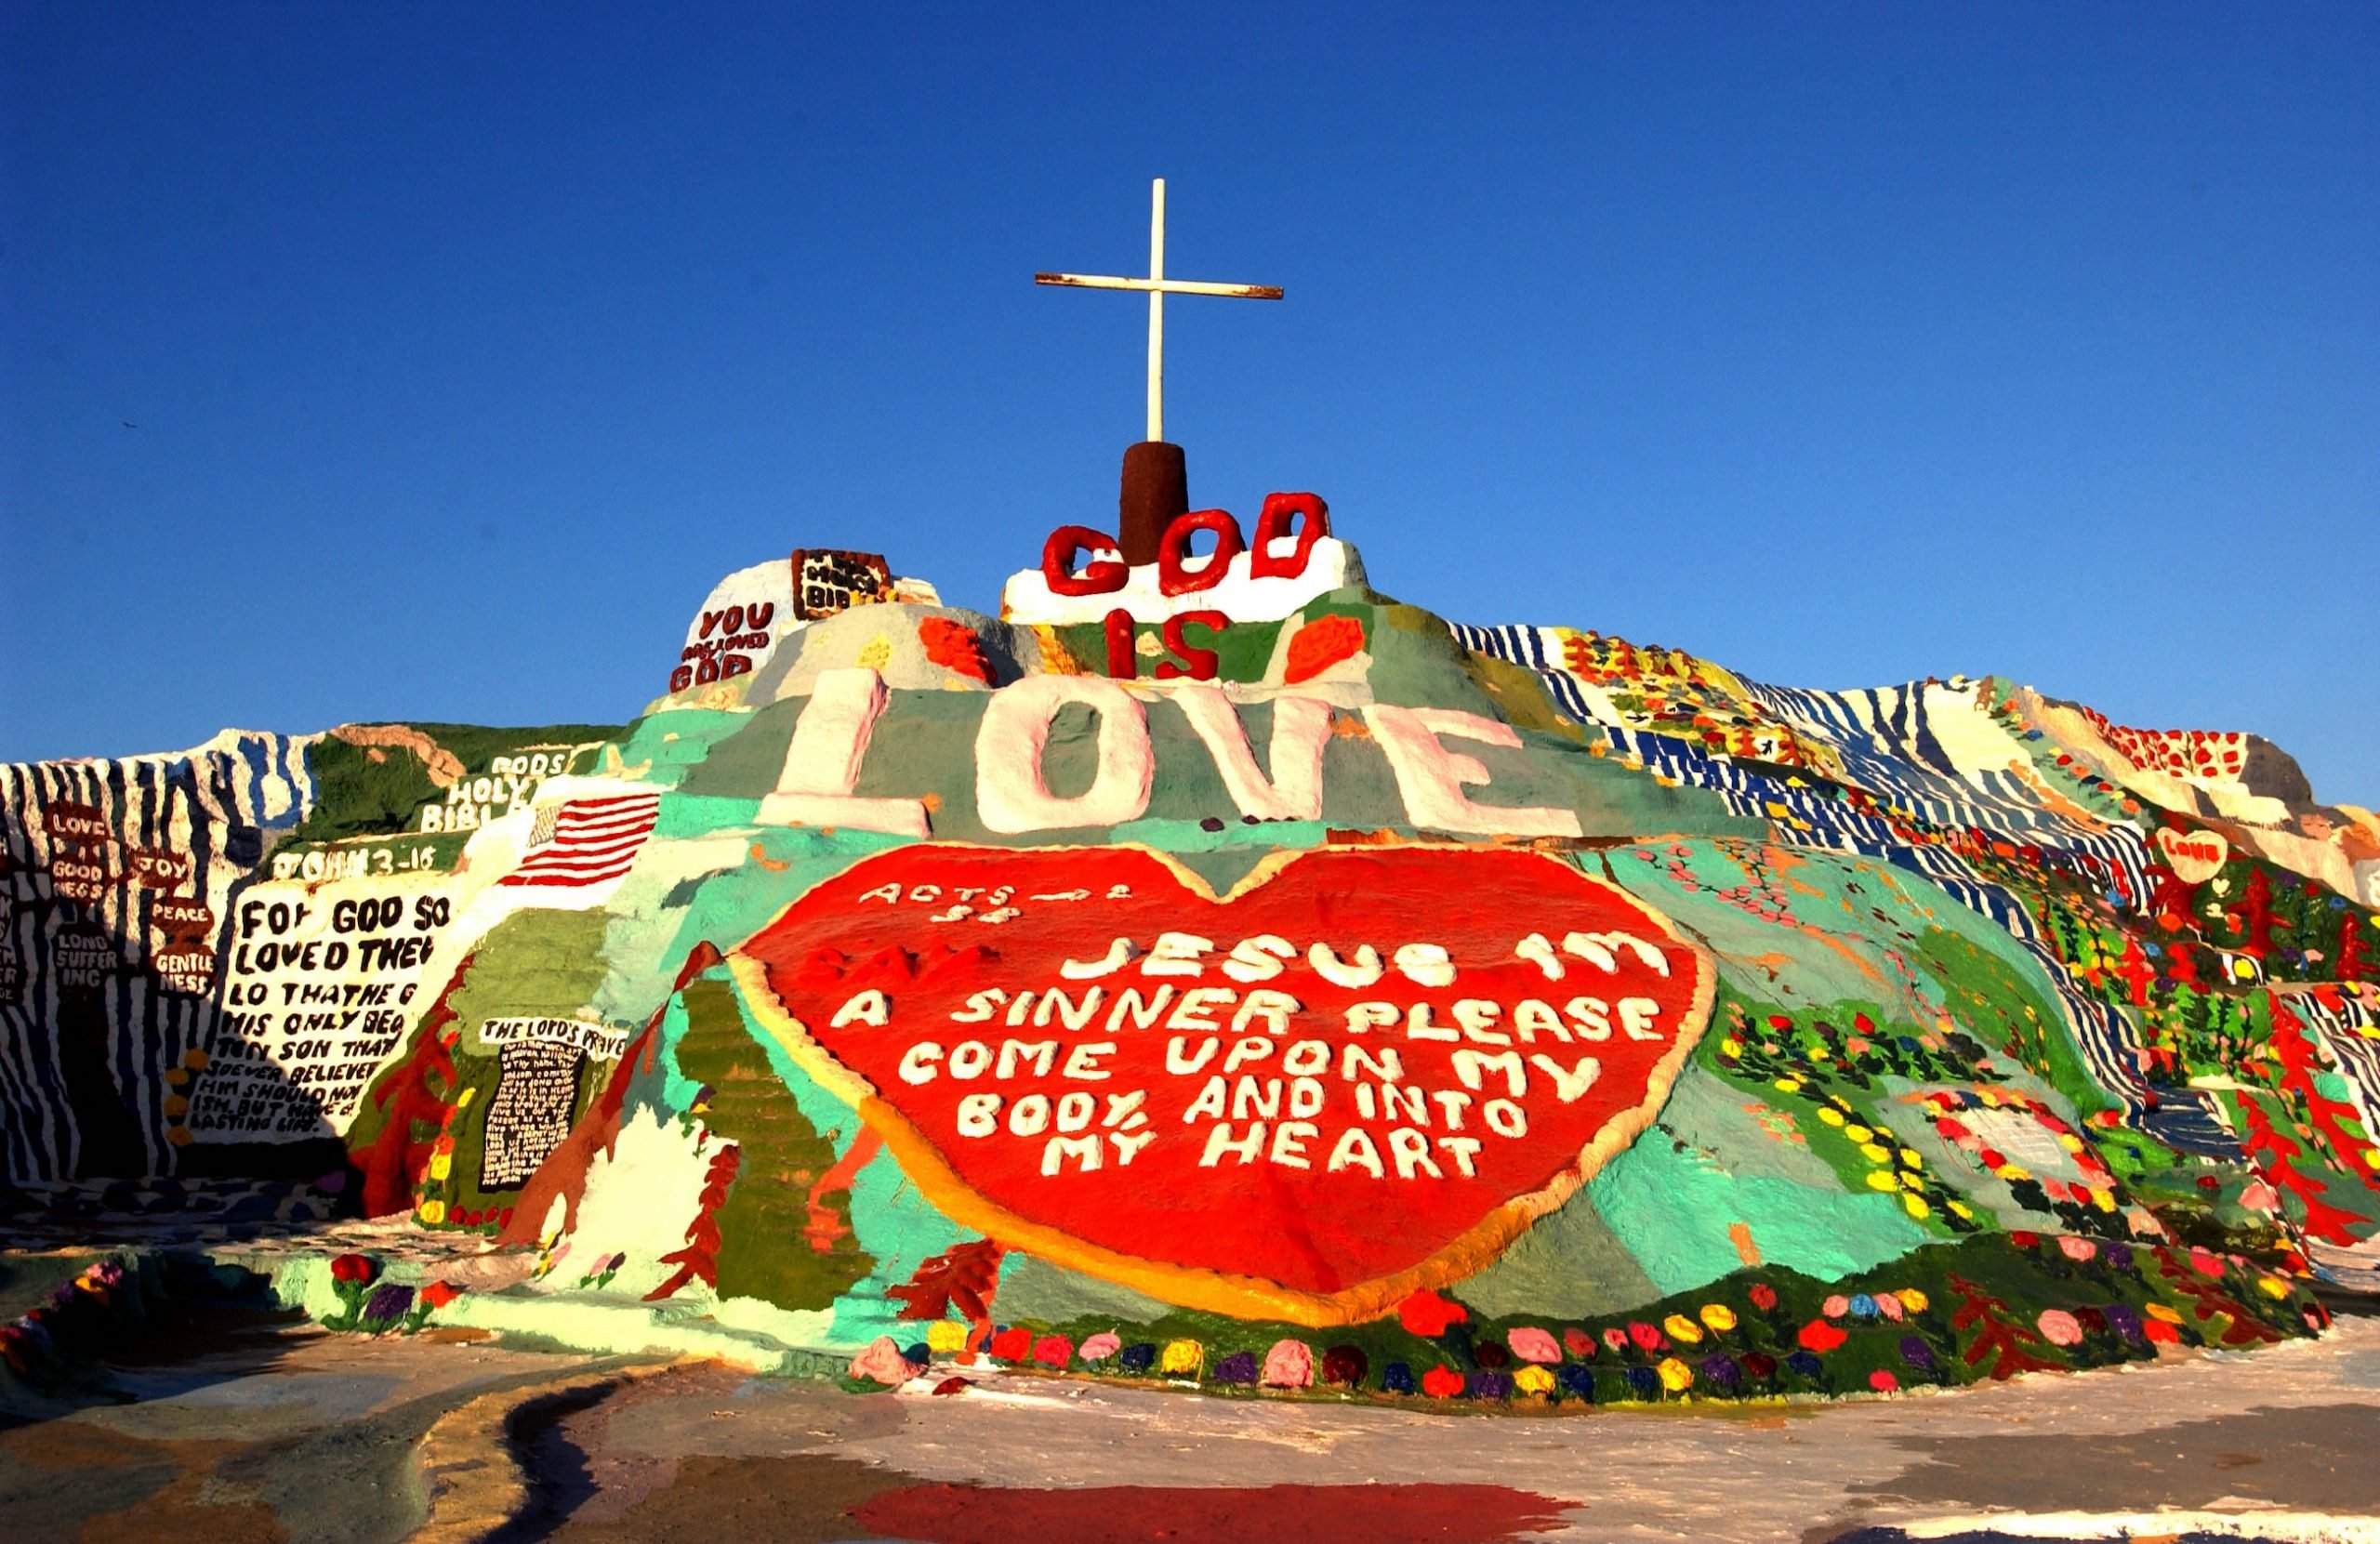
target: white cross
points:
(1159, 286)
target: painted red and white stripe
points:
(594, 840)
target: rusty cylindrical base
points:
(1156, 492)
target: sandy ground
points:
(276, 1432)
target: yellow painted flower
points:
(1790, 1085)
(1912, 1182)
(1683, 1329)
(1676, 1376)
(1533, 1379)
(1912, 1158)
(2159, 1311)
(1829, 1114)
(1182, 1356)
(2104, 1199)
(945, 1336)
(1881, 1179)
(441, 1165)
(1912, 1299)
(1731, 1048)
(1875, 1153)
(1857, 1133)
(1962, 1210)
(2272, 1286)
(1719, 1316)
(1915, 1205)
(463, 1099)
(432, 1212)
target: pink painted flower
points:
(2061, 1327)
(1617, 1339)
(1289, 1364)
(1532, 1344)
(1836, 1306)
(1099, 1347)
(1889, 1306)
(2076, 1249)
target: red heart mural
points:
(1365, 1071)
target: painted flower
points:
(432, 1212)
(1533, 1379)
(1289, 1364)
(438, 1294)
(1617, 1339)
(1676, 1376)
(2119, 1256)
(389, 1301)
(1763, 1297)
(1344, 1367)
(1820, 1337)
(2123, 1320)
(1182, 1356)
(1442, 1383)
(358, 1269)
(1576, 1380)
(2061, 1327)
(441, 1165)
(1805, 1363)
(1532, 1344)
(1137, 1358)
(1721, 1369)
(1883, 1382)
(1099, 1347)
(1238, 1367)
(1491, 1356)
(2159, 1332)
(1889, 1305)
(1916, 1353)
(2161, 1311)
(1427, 1314)
(1053, 1350)
(1488, 1385)
(1014, 1344)
(1836, 1306)
(1396, 1379)
(1862, 1306)
(1647, 1338)
(1683, 1329)
(1760, 1364)
(1579, 1343)
(1644, 1382)
(1719, 1316)
(2023, 1238)
(1912, 1299)
(945, 1336)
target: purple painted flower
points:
(1722, 1370)
(1490, 1385)
(389, 1301)
(2117, 1255)
(2124, 1320)
(1238, 1367)
(1916, 1353)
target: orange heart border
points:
(1197, 1286)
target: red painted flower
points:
(1882, 1381)
(1820, 1337)
(1763, 1297)
(1014, 1344)
(1579, 1343)
(1442, 1383)
(358, 1269)
(1647, 1338)
(438, 1294)
(1053, 1350)
(1427, 1314)
(2023, 1239)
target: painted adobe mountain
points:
(1210, 969)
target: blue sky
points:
(1844, 344)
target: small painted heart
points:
(1365, 1071)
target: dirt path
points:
(274, 1433)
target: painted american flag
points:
(586, 841)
